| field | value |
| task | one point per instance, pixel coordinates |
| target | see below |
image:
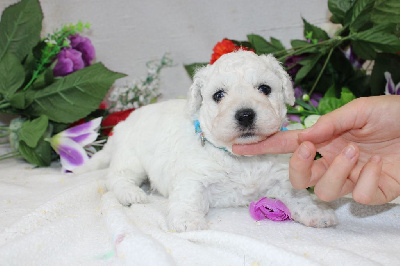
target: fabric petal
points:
(71, 154)
(76, 58)
(397, 89)
(63, 67)
(88, 127)
(272, 209)
(389, 88)
(255, 212)
(85, 139)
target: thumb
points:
(336, 122)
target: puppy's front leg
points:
(302, 207)
(188, 206)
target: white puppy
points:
(184, 147)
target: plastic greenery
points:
(349, 64)
(44, 103)
(140, 91)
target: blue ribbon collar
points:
(202, 138)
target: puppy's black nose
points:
(245, 117)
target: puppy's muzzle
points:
(245, 118)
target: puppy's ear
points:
(194, 96)
(287, 86)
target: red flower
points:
(225, 47)
(103, 105)
(113, 119)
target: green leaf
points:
(380, 38)
(308, 64)
(74, 96)
(12, 75)
(301, 44)
(44, 79)
(18, 100)
(20, 28)
(364, 50)
(262, 46)
(191, 69)
(317, 33)
(361, 17)
(386, 11)
(32, 131)
(338, 8)
(277, 43)
(39, 155)
(329, 102)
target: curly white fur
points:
(158, 142)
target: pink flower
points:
(272, 209)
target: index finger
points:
(279, 143)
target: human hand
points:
(360, 145)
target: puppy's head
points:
(240, 98)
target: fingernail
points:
(304, 151)
(376, 158)
(349, 152)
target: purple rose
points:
(68, 61)
(272, 209)
(83, 45)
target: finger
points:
(303, 170)
(367, 189)
(280, 142)
(335, 182)
(336, 122)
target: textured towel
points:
(51, 218)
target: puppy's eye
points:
(265, 89)
(218, 95)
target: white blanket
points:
(51, 218)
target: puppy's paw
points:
(130, 194)
(315, 216)
(183, 222)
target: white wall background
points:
(128, 33)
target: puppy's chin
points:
(248, 138)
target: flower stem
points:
(322, 70)
(9, 155)
(4, 105)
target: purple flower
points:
(390, 88)
(70, 144)
(68, 61)
(294, 118)
(272, 209)
(315, 98)
(83, 45)
(353, 58)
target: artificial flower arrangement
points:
(360, 59)
(53, 87)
